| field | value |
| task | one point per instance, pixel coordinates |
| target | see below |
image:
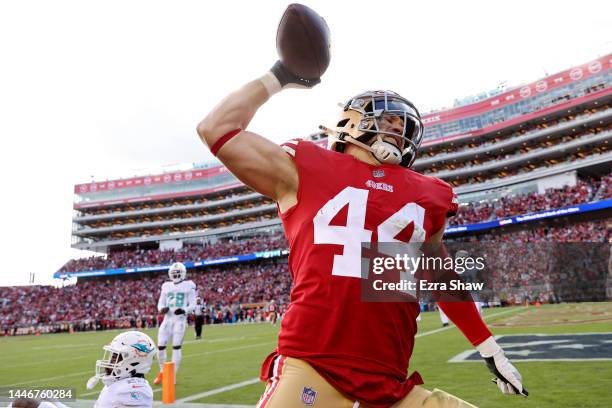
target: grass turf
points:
(232, 354)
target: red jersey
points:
(361, 348)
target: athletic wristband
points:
(488, 348)
(271, 83)
(223, 140)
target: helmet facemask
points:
(110, 367)
(117, 363)
(361, 125)
(128, 354)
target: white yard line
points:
(231, 386)
(427, 333)
(218, 390)
(65, 346)
(205, 353)
(42, 380)
(40, 362)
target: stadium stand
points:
(237, 293)
(542, 146)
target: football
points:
(302, 42)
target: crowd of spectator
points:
(93, 304)
(179, 215)
(440, 168)
(557, 264)
(239, 292)
(443, 150)
(174, 229)
(584, 191)
(581, 153)
(174, 202)
(193, 252)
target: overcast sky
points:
(109, 88)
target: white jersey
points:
(178, 296)
(128, 392)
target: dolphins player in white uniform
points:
(122, 369)
(177, 300)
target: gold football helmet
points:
(359, 124)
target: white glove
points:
(507, 377)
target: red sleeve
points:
(467, 319)
(448, 199)
(457, 305)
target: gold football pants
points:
(296, 384)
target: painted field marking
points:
(427, 333)
(218, 390)
(42, 380)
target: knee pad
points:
(176, 347)
(161, 347)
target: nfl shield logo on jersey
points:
(308, 396)
(378, 173)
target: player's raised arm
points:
(255, 160)
(302, 41)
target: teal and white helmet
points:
(177, 272)
(129, 353)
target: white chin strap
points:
(386, 152)
(382, 151)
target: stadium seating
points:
(125, 259)
(235, 292)
(584, 191)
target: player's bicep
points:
(260, 163)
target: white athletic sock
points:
(176, 359)
(161, 357)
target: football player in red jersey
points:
(335, 350)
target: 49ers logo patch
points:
(379, 186)
(309, 396)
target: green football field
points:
(223, 367)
